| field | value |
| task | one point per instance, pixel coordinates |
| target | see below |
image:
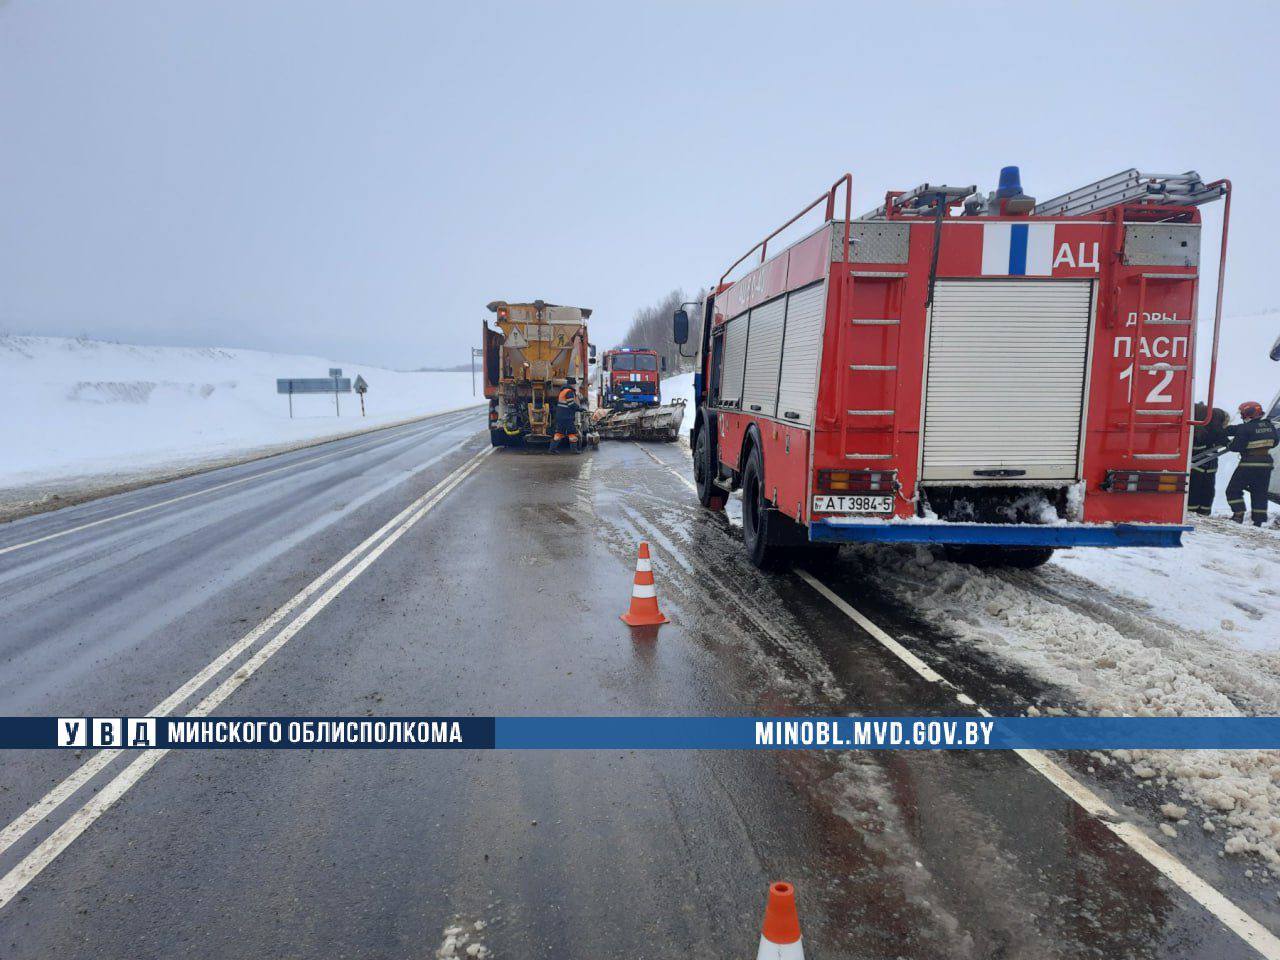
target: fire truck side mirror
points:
(664, 364)
(680, 327)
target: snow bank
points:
(1224, 582)
(678, 387)
(1114, 657)
(87, 407)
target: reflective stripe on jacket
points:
(1253, 440)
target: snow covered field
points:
(78, 408)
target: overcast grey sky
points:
(357, 179)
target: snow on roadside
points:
(680, 387)
(82, 407)
(1165, 671)
(1224, 582)
(463, 939)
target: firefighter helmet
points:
(1250, 410)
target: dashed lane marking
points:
(198, 493)
(13, 882)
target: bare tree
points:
(651, 329)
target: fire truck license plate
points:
(858, 503)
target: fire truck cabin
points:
(630, 377)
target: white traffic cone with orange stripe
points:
(780, 935)
(644, 610)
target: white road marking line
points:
(901, 652)
(92, 767)
(47, 851)
(59, 794)
(886, 641)
(88, 770)
(197, 493)
(670, 469)
(1231, 916)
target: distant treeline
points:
(651, 328)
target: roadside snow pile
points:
(463, 940)
(680, 387)
(83, 407)
(1224, 582)
(1162, 670)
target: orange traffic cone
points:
(780, 936)
(644, 610)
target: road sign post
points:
(476, 354)
(336, 372)
(361, 388)
(331, 384)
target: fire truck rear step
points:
(999, 534)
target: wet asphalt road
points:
(504, 600)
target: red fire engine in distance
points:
(629, 377)
(979, 370)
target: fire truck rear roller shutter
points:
(735, 355)
(764, 350)
(798, 385)
(1006, 377)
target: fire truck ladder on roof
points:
(1131, 186)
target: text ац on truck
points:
(977, 370)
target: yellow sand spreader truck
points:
(537, 350)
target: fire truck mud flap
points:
(1000, 535)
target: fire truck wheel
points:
(709, 495)
(759, 522)
(1017, 558)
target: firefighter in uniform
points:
(1252, 439)
(1204, 477)
(566, 417)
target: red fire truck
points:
(981, 371)
(629, 378)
